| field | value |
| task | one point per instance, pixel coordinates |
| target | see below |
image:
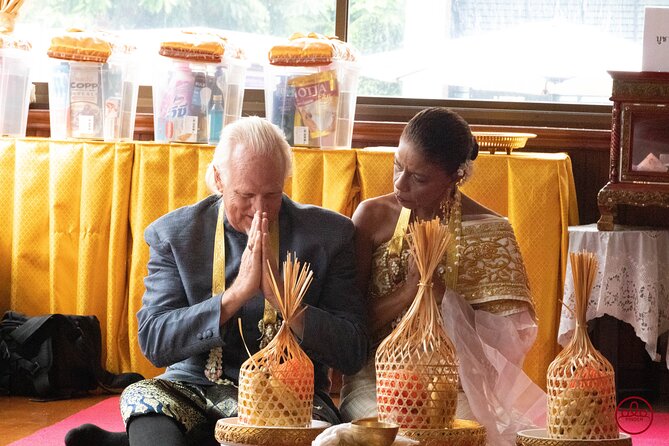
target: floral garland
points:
(214, 368)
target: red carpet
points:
(656, 435)
(105, 414)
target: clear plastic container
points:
(183, 95)
(314, 106)
(15, 86)
(93, 100)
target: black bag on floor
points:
(54, 356)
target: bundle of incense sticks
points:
(416, 365)
(276, 385)
(581, 381)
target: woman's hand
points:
(413, 278)
(438, 286)
(411, 281)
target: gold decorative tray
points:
(539, 437)
(463, 433)
(231, 431)
(509, 141)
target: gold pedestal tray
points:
(539, 437)
(463, 433)
(232, 431)
(509, 141)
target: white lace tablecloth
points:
(632, 282)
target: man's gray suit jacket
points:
(179, 318)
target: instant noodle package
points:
(92, 86)
(311, 90)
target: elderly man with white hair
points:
(206, 269)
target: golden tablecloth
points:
(72, 217)
(536, 192)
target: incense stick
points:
(10, 6)
(418, 353)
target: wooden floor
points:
(20, 417)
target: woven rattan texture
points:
(417, 375)
(581, 393)
(417, 391)
(522, 440)
(416, 365)
(276, 385)
(463, 433)
(233, 432)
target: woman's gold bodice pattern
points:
(491, 274)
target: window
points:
(253, 25)
(512, 51)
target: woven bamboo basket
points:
(276, 385)
(416, 365)
(580, 381)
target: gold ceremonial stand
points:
(463, 433)
(230, 432)
(539, 437)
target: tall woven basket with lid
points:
(580, 381)
(416, 365)
(276, 385)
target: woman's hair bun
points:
(475, 149)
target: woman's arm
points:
(370, 219)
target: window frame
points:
(495, 113)
(526, 115)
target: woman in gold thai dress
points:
(481, 283)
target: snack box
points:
(313, 105)
(93, 99)
(15, 85)
(193, 100)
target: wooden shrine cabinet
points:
(639, 158)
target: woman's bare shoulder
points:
(377, 216)
(375, 208)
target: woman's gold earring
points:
(445, 208)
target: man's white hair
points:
(257, 136)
